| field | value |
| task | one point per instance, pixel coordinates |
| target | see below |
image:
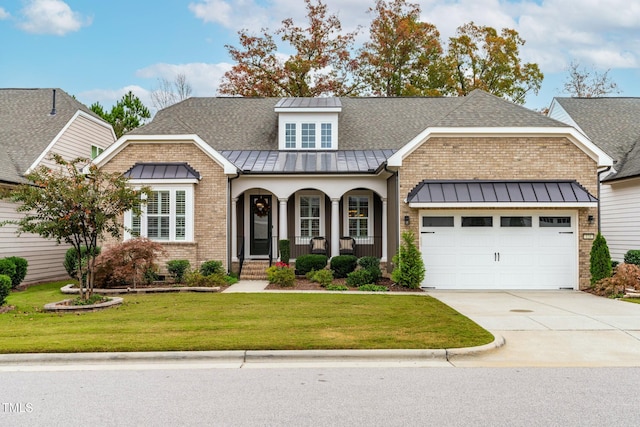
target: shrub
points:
(600, 259)
(231, 279)
(212, 267)
(627, 276)
(5, 288)
(342, 265)
(8, 268)
(336, 288)
(285, 250)
(373, 288)
(196, 278)
(281, 274)
(306, 263)
(409, 271)
(359, 278)
(128, 263)
(632, 257)
(372, 265)
(177, 269)
(21, 270)
(71, 260)
(324, 277)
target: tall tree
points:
(480, 58)
(80, 209)
(403, 54)
(583, 83)
(171, 92)
(321, 64)
(128, 113)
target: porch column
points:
(234, 229)
(335, 227)
(384, 231)
(283, 233)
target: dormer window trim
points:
(308, 123)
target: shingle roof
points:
(27, 126)
(480, 191)
(613, 124)
(364, 124)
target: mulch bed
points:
(303, 284)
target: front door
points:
(260, 224)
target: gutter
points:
(607, 169)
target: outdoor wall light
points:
(590, 219)
(407, 220)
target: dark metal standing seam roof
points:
(340, 161)
(477, 191)
(162, 171)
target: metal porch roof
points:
(162, 171)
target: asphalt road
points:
(190, 395)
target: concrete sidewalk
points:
(551, 328)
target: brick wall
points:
(210, 198)
(501, 158)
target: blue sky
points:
(98, 50)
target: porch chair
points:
(347, 245)
(318, 245)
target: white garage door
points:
(499, 250)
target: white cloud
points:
(203, 78)
(3, 14)
(51, 17)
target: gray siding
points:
(620, 210)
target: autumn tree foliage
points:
(321, 64)
(130, 262)
(480, 58)
(403, 54)
(77, 208)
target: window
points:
(309, 213)
(325, 135)
(477, 221)
(358, 212)
(290, 135)
(555, 221)
(515, 221)
(96, 151)
(437, 221)
(167, 216)
(308, 135)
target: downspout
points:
(229, 201)
(607, 169)
(396, 204)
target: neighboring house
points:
(498, 196)
(613, 124)
(35, 123)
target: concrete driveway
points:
(550, 328)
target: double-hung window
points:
(167, 215)
(359, 217)
(290, 135)
(309, 214)
(325, 135)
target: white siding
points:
(78, 138)
(45, 257)
(620, 210)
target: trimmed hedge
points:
(309, 262)
(7, 268)
(5, 288)
(632, 257)
(342, 265)
(178, 268)
(22, 266)
(71, 260)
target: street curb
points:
(251, 356)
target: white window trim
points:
(189, 214)
(369, 240)
(298, 120)
(302, 240)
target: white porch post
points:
(335, 227)
(234, 229)
(384, 230)
(283, 233)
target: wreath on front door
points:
(261, 207)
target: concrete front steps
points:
(254, 269)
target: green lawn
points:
(219, 321)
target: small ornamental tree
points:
(409, 270)
(600, 259)
(77, 208)
(128, 262)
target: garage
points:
(499, 234)
(499, 249)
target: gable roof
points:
(252, 124)
(27, 126)
(613, 124)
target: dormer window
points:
(308, 123)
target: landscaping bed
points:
(303, 284)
